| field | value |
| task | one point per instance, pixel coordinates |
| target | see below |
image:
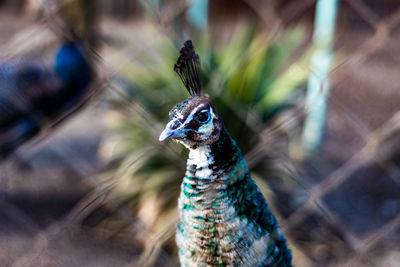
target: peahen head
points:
(194, 121)
(72, 66)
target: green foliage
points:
(245, 79)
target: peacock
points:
(34, 96)
(224, 219)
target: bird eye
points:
(203, 116)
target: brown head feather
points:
(188, 69)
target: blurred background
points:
(310, 90)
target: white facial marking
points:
(207, 128)
(191, 115)
(178, 115)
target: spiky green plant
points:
(249, 79)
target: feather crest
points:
(188, 69)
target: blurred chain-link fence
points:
(99, 189)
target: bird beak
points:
(172, 130)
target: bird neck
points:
(210, 161)
(212, 172)
(209, 206)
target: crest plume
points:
(188, 69)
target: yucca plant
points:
(247, 81)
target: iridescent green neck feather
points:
(224, 219)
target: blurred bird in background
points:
(224, 218)
(35, 97)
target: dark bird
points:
(34, 96)
(224, 218)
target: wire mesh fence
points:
(92, 192)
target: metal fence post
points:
(318, 83)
